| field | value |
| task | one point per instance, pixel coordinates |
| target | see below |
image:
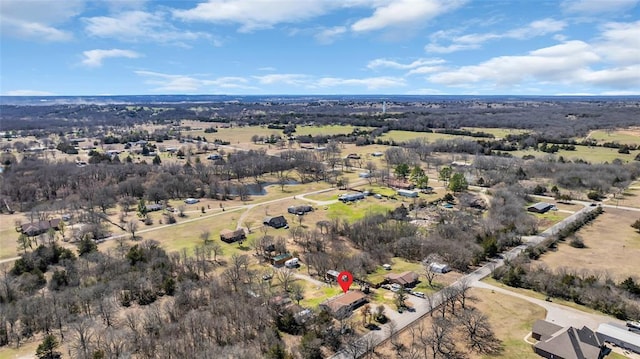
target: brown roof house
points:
(229, 236)
(342, 305)
(566, 343)
(405, 279)
(33, 229)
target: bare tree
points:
(480, 335)
(132, 227)
(205, 236)
(285, 277)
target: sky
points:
(319, 47)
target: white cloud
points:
(574, 63)
(30, 19)
(620, 43)
(140, 26)
(475, 41)
(597, 7)
(288, 79)
(403, 13)
(327, 36)
(371, 83)
(167, 83)
(254, 14)
(386, 63)
(94, 58)
(28, 93)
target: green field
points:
(326, 130)
(498, 132)
(403, 136)
(353, 211)
(620, 136)
(589, 154)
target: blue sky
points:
(440, 47)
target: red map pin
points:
(345, 279)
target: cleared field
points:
(511, 319)
(548, 219)
(402, 136)
(498, 132)
(630, 197)
(353, 211)
(589, 154)
(25, 351)
(326, 130)
(629, 136)
(612, 246)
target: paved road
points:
(422, 307)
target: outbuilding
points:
(229, 236)
(439, 268)
(351, 197)
(275, 222)
(407, 193)
(540, 207)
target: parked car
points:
(395, 287)
(191, 200)
(418, 294)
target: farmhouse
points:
(351, 197)
(540, 207)
(568, 342)
(33, 229)
(229, 236)
(342, 306)
(275, 222)
(405, 279)
(619, 335)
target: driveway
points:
(556, 313)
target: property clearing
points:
(611, 245)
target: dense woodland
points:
(140, 300)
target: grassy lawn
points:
(548, 219)
(26, 350)
(187, 235)
(353, 211)
(314, 295)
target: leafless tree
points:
(480, 335)
(285, 277)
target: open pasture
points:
(612, 247)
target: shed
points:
(229, 236)
(275, 222)
(280, 259)
(302, 209)
(540, 207)
(619, 335)
(405, 279)
(154, 207)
